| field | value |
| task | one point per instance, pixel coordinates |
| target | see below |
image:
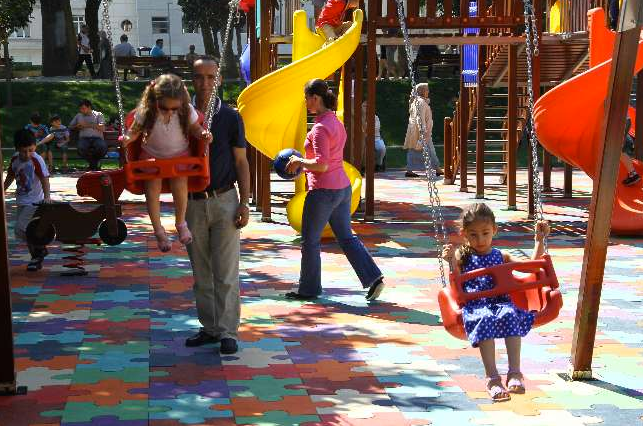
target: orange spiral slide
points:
(568, 121)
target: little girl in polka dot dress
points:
(487, 319)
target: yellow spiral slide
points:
(274, 110)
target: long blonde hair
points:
(165, 86)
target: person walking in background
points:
(105, 70)
(420, 115)
(84, 52)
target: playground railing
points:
(570, 16)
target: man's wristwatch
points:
(246, 205)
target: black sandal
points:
(296, 296)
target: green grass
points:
(62, 98)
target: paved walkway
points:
(107, 349)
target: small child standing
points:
(60, 135)
(41, 134)
(330, 22)
(166, 119)
(487, 319)
(29, 171)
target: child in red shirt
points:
(330, 21)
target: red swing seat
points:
(537, 291)
(196, 167)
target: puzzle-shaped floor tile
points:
(107, 392)
(265, 388)
(84, 411)
(188, 408)
(38, 377)
(353, 404)
(257, 358)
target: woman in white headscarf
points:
(420, 114)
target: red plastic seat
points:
(88, 184)
(536, 291)
(138, 171)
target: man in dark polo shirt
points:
(215, 217)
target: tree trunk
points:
(7, 73)
(215, 38)
(58, 39)
(230, 68)
(208, 43)
(91, 19)
(237, 34)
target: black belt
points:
(204, 195)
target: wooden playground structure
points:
(501, 64)
(563, 54)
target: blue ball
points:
(281, 160)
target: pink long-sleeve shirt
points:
(325, 143)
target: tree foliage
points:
(211, 17)
(14, 14)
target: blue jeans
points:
(332, 206)
(92, 149)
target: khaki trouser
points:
(214, 254)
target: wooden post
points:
(512, 135)
(448, 151)
(348, 108)
(264, 176)
(7, 362)
(546, 171)
(464, 132)
(569, 170)
(638, 145)
(254, 75)
(369, 142)
(600, 212)
(358, 134)
(480, 137)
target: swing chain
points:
(210, 110)
(435, 206)
(531, 36)
(119, 97)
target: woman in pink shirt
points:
(328, 199)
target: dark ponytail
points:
(320, 88)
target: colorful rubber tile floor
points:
(108, 348)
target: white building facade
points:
(143, 21)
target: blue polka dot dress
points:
(491, 317)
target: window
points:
(160, 25)
(21, 32)
(187, 28)
(79, 21)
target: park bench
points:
(3, 67)
(148, 66)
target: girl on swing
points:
(166, 119)
(487, 319)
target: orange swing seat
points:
(536, 291)
(195, 167)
